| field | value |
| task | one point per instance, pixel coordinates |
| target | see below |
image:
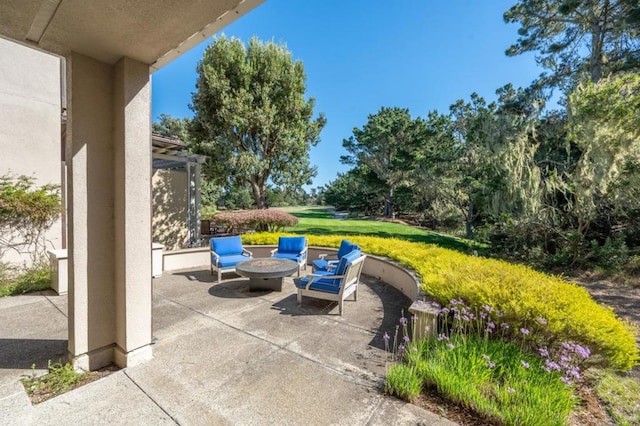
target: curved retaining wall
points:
(378, 267)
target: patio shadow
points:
(26, 353)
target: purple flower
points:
(443, 336)
(511, 390)
(541, 320)
(567, 381)
(445, 311)
(491, 325)
(491, 364)
(582, 351)
(573, 372)
(504, 325)
(524, 363)
(543, 352)
(403, 321)
(487, 357)
(483, 315)
(386, 337)
(524, 331)
(435, 305)
(465, 318)
(406, 339)
(500, 314)
(401, 348)
(551, 365)
(487, 308)
(450, 345)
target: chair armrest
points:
(216, 255)
(247, 252)
(324, 256)
(313, 276)
(274, 251)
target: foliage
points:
(268, 220)
(250, 111)
(497, 379)
(522, 294)
(403, 381)
(34, 278)
(385, 145)
(621, 396)
(172, 127)
(577, 40)
(26, 212)
(61, 378)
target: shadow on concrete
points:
(394, 305)
(235, 289)
(28, 353)
(309, 306)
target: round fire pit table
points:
(266, 273)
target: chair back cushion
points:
(291, 244)
(346, 261)
(226, 246)
(346, 247)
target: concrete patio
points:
(224, 356)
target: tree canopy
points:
(577, 39)
(251, 116)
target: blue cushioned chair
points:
(334, 286)
(226, 253)
(293, 248)
(328, 262)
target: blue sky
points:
(361, 55)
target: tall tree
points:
(385, 144)
(251, 116)
(603, 121)
(577, 39)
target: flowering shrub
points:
(261, 220)
(521, 294)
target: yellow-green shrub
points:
(521, 293)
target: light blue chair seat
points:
(226, 253)
(292, 248)
(330, 261)
(336, 286)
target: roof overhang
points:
(154, 32)
(171, 153)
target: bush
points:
(522, 294)
(261, 220)
(34, 278)
(26, 212)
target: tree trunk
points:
(259, 194)
(595, 60)
(467, 221)
(388, 205)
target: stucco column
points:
(108, 131)
(132, 143)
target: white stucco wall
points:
(30, 122)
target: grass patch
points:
(621, 396)
(60, 379)
(35, 278)
(490, 378)
(320, 221)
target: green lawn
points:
(320, 221)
